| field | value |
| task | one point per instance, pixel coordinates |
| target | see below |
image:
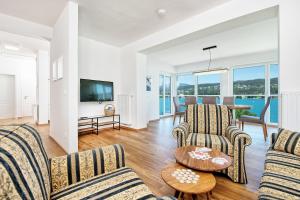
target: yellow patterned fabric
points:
(122, 183)
(208, 118)
(281, 178)
(211, 126)
(24, 172)
(181, 133)
(287, 141)
(76, 167)
(212, 141)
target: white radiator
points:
(125, 108)
(290, 110)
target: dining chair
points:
(177, 112)
(190, 100)
(257, 120)
(228, 100)
(209, 100)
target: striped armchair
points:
(210, 126)
(27, 173)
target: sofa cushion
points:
(122, 183)
(208, 118)
(212, 141)
(288, 141)
(24, 170)
(281, 179)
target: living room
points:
(129, 49)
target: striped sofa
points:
(210, 126)
(27, 173)
(281, 178)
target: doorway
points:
(7, 96)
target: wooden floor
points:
(149, 150)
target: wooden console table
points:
(92, 124)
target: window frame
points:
(267, 92)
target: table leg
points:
(194, 196)
(176, 193)
(207, 196)
(113, 121)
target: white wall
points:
(98, 61)
(154, 69)
(43, 87)
(289, 63)
(24, 70)
(64, 92)
(231, 10)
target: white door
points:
(7, 96)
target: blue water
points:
(256, 106)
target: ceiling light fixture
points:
(161, 12)
(11, 47)
(209, 70)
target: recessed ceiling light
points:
(161, 12)
(11, 47)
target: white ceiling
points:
(247, 39)
(43, 12)
(119, 22)
(28, 46)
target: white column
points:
(43, 88)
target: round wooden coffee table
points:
(205, 183)
(182, 156)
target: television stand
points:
(92, 123)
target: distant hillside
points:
(256, 86)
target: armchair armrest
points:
(235, 135)
(76, 167)
(181, 133)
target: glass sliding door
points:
(161, 95)
(167, 94)
(274, 72)
(165, 98)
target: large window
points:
(185, 84)
(208, 85)
(164, 95)
(249, 81)
(249, 88)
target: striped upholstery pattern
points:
(212, 141)
(24, 171)
(210, 126)
(76, 167)
(122, 183)
(281, 179)
(181, 133)
(208, 118)
(287, 141)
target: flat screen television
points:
(92, 90)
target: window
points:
(164, 94)
(249, 88)
(186, 84)
(208, 84)
(274, 74)
(249, 81)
